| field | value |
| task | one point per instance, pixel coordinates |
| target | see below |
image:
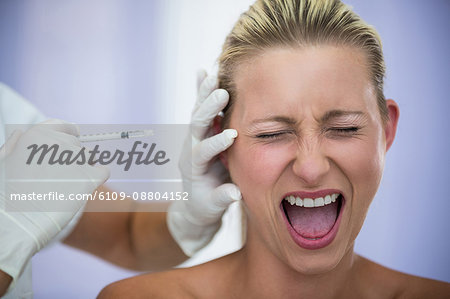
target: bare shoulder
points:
(395, 284)
(201, 281)
(169, 284)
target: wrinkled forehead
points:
(289, 80)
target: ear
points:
(217, 128)
(391, 125)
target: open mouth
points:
(313, 221)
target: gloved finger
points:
(223, 196)
(50, 135)
(61, 126)
(61, 219)
(10, 143)
(95, 176)
(206, 87)
(201, 75)
(203, 117)
(98, 174)
(206, 150)
(102, 173)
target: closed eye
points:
(272, 135)
(345, 129)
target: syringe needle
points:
(115, 135)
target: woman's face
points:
(309, 131)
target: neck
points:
(263, 273)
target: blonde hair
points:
(299, 23)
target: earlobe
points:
(391, 125)
(217, 128)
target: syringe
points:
(115, 135)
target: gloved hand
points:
(194, 222)
(24, 233)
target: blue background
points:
(135, 61)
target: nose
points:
(310, 164)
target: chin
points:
(315, 264)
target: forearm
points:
(138, 241)
(5, 281)
(152, 243)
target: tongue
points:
(312, 222)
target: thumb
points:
(224, 195)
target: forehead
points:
(281, 80)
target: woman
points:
(305, 80)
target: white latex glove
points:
(24, 233)
(194, 222)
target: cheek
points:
(362, 163)
(254, 165)
(371, 163)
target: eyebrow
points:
(326, 117)
(276, 118)
(340, 113)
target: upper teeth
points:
(312, 202)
